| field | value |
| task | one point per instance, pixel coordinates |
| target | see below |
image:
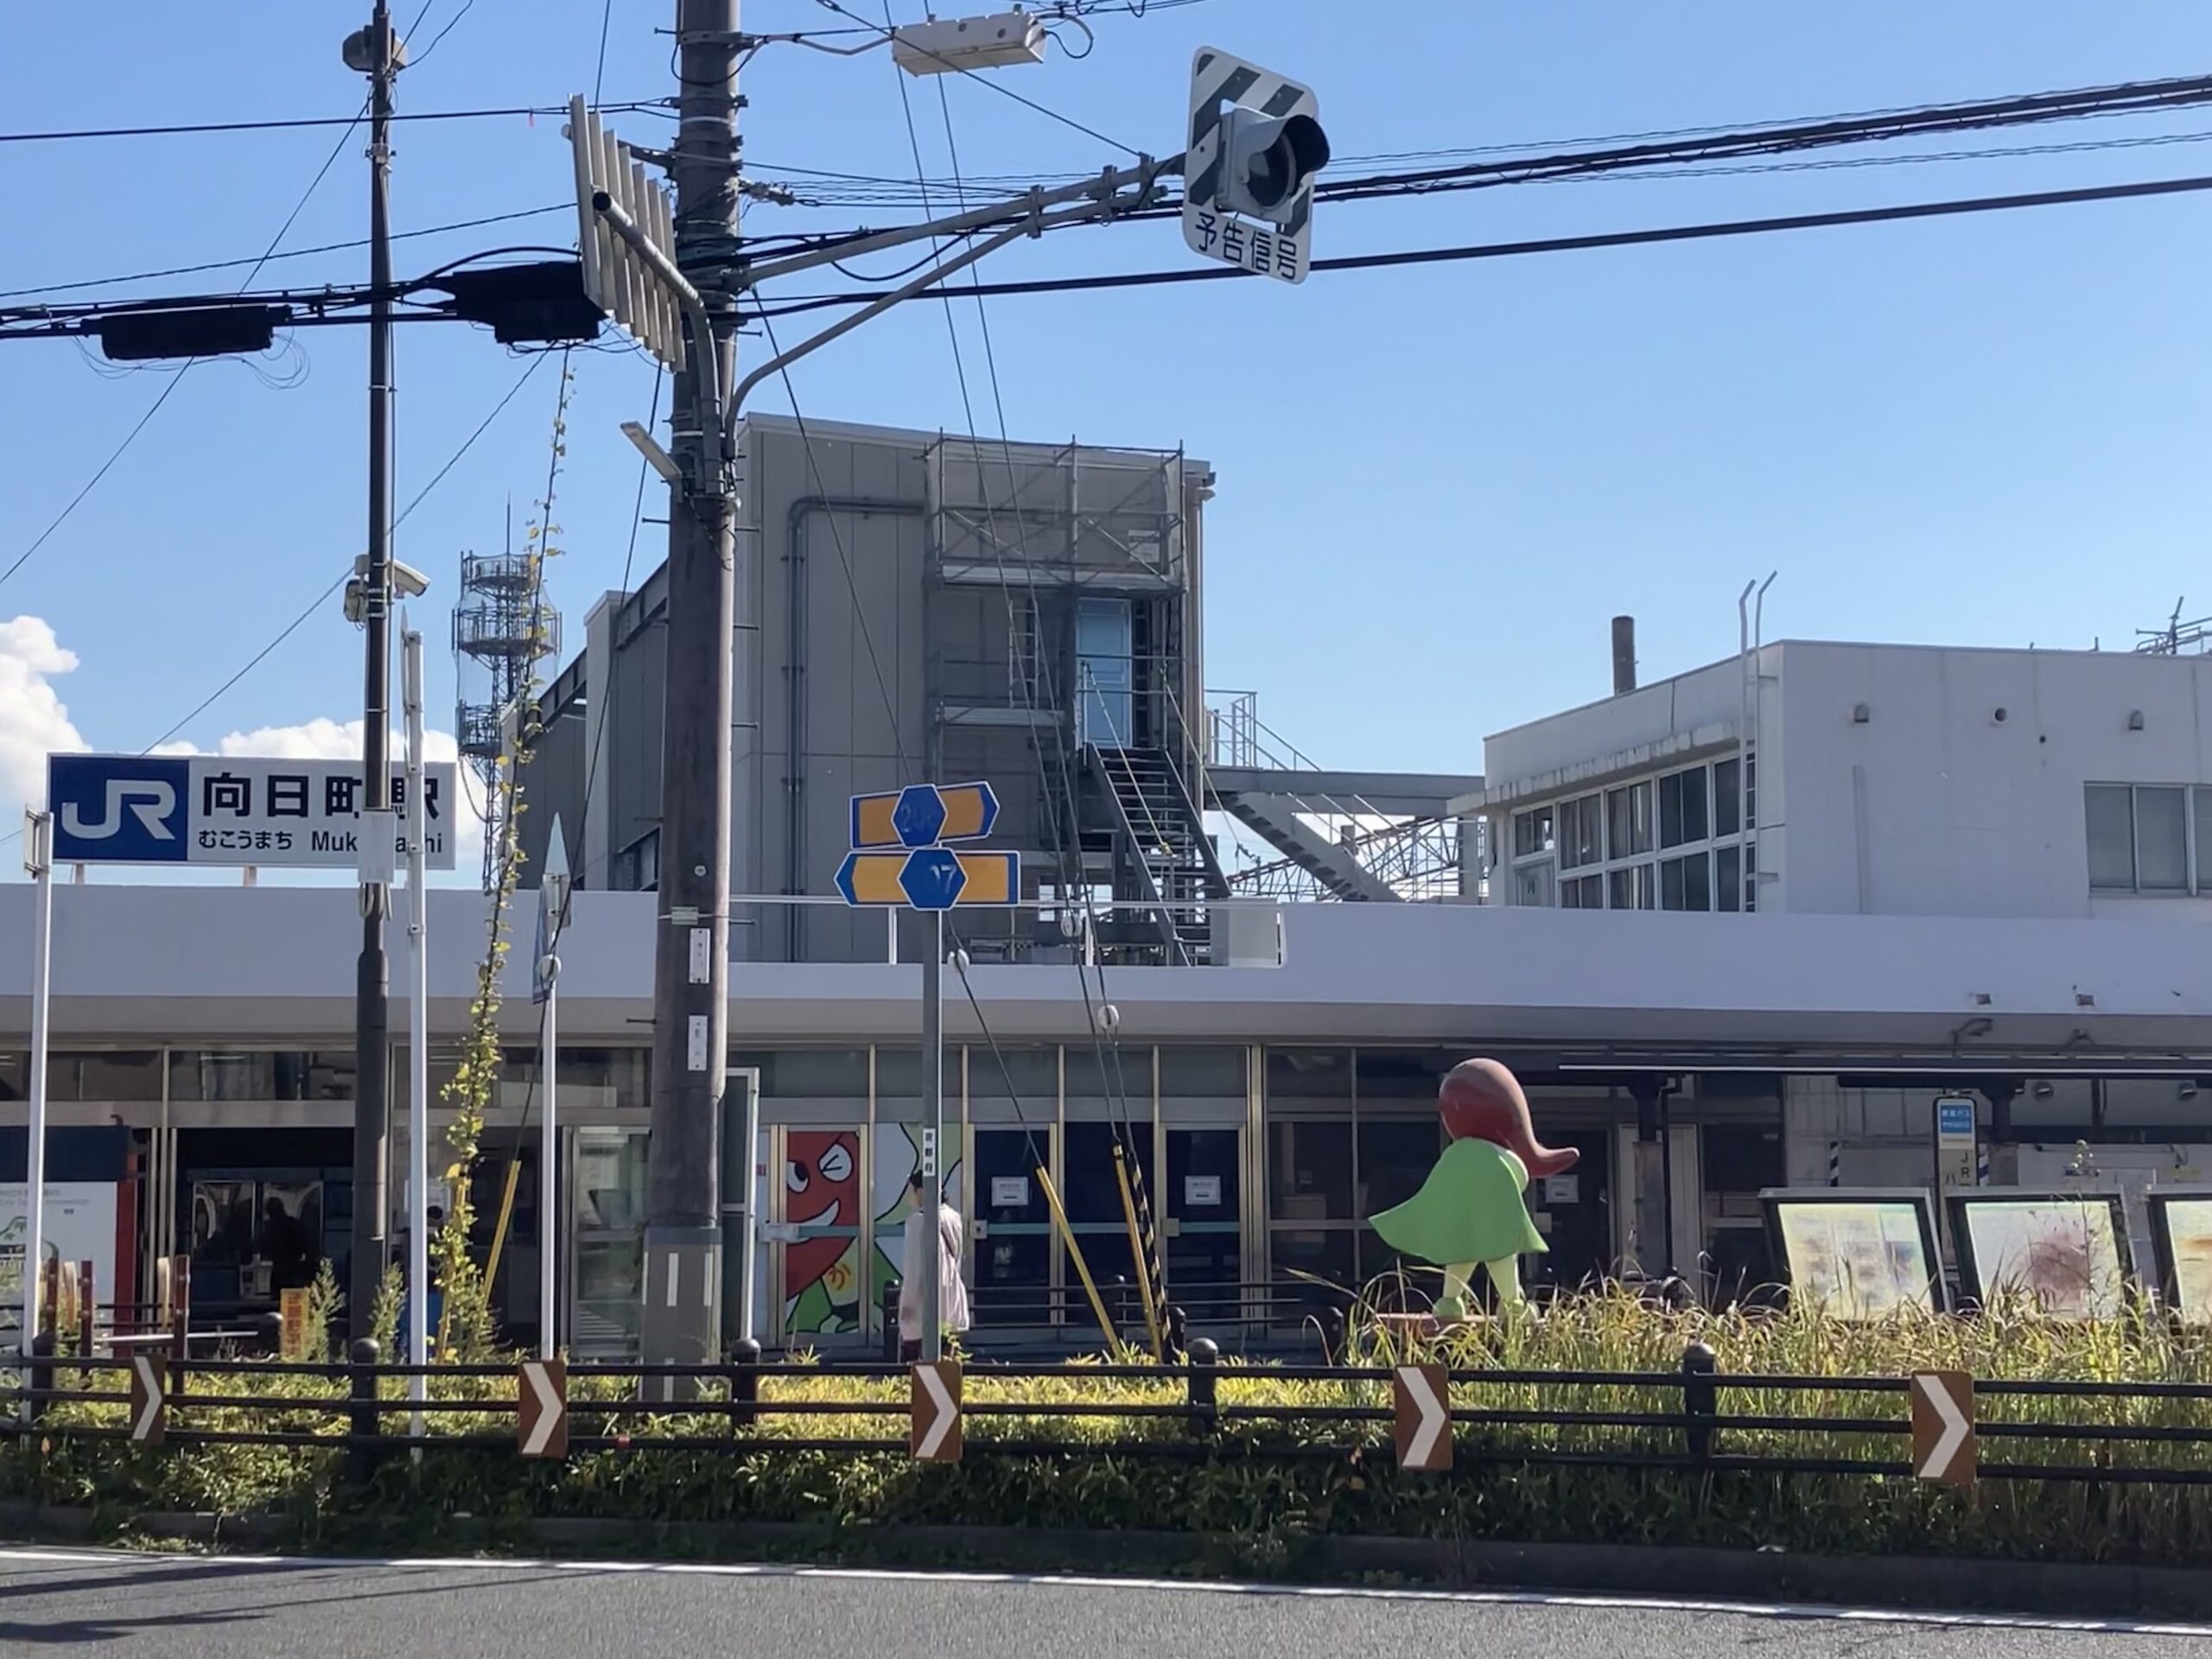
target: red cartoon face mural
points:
(821, 1188)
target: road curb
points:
(1921, 1584)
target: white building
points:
(1888, 780)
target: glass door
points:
(1092, 1194)
(1104, 672)
(1013, 1229)
(1203, 1203)
(607, 1241)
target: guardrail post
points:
(744, 1382)
(179, 1321)
(38, 1375)
(87, 1317)
(1206, 1358)
(361, 1457)
(1333, 1333)
(1700, 1398)
(1179, 1332)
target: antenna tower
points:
(501, 625)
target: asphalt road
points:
(144, 1606)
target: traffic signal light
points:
(1268, 163)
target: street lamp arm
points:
(1103, 190)
(1107, 204)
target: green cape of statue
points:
(1469, 1211)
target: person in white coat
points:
(923, 1252)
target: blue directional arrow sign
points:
(933, 878)
(920, 816)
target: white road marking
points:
(1081, 1581)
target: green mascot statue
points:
(1471, 1208)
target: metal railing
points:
(1696, 1421)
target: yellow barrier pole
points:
(1137, 1255)
(1074, 1254)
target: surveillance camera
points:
(406, 580)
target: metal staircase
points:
(1162, 844)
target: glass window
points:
(1302, 1257)
(1202, 1073)
(1029, 1075)
(899, 1073)
(1582, 893)
(1090, 1189)
(1751, 875)
(1685, 883)
(1403, 1073)
(1628, 821)
(1114, 1071)
(1582, 832)
(2161, 841)
(2111, 811)
(1395, 1156)
(1727, 879)
(133, 1076)
(815, 1074)
(1727, 801)
(14, 1076)
(1629, 888)
(1752, 791)
(2202, 800)
(1309, 1170)
(1532, 883)
(1309, 1074)
(1682, 807)
(1532, 832)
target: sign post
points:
(935, 1435)
(1943, 1449)
(38, 863)
(927, 875)
(1422, 1431)
(149, 1405)
(542, 1410)
(545, 990)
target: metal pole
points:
(372, 985)
(39, 860)
(749, 1259)
(418, 1027)
(682, 1253)
(547, 1138)
(933, 1139)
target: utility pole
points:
(691, 953)
(379, 55)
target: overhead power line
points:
(1544, 245)
(182, 129)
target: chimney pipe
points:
(1624, 655)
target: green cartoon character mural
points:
(1470, 1210)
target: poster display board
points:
(2181, 1235)
(79, 1227)
(1858, 1253)
(2065, 1251)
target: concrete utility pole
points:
(372, 989)
(691, 956)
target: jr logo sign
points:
(108, 809)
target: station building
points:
(1737, 929)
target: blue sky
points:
(1436, 485)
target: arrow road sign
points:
(922, 815)
(149, 1405)
(866, 879)
(541, 1410)
(1943, 1427)
(1423, 1428)
(935, 1437)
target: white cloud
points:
(334, 739)
(33, 722)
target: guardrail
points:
(1697, 1420)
